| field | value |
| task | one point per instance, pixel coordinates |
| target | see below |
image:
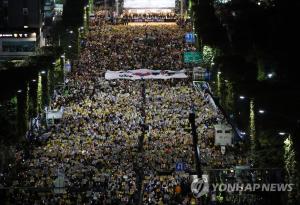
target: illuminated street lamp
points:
(270, 75)
(243, 97)
(43, 72)
(261, 111)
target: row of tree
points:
(264, 29)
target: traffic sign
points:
(193, 57)
(180, 167)
(190, 38)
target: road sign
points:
(180, 167)
(207, 75)
(190, 38)
(67, 66)
(193, 57)
(201, 74)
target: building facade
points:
(21, 24)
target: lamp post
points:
(64, 62)
(181, 8)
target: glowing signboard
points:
(149, 4)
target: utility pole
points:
(117, 7)
(192, 119)
(181, 8)
(143, 114)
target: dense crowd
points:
(110, 17)
(96, 146)
(156, 17)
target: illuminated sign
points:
(190, 38)
(193, 57)
(149, 4)
(6, 35)
(17, 35)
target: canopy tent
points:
(52, 115)
(223, 134)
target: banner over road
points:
(144, 74)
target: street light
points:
(261, 111)
(242, 97)
(43, 72)
(34, 80)
(270, 75)
(19, 91)
(282, 133)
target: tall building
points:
(49, 12)
(20, 27)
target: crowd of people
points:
(110, 17)
(96, 149)
(156, 17)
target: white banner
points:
(144, 74)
